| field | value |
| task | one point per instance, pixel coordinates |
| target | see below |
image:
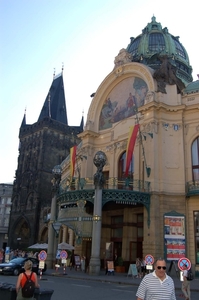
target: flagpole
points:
(148, 170)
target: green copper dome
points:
(156, 43)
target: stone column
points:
(65, 234)
(95, 263)
(51, 232)
(71, 236)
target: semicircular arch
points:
(130, 70)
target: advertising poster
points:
(174, 235)
(109, 251)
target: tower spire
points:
(23, 123)
(82, 121)
(55, 105)
(49, 112)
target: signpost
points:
(42, 257)
(63, 256)
(149, 259)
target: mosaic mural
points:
(123, 101)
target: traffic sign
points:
(184, 263)
(42, 255)
(149, 259)
(63, 254)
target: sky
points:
(39, 36)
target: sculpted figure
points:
(99, 161)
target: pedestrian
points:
(22, 280)
(157, 285)
(83, 263)
(138, 266)
(72, 260)
(186, 284)
(143, 267)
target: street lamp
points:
(96, 218)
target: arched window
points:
(122, 167)
(195, 159)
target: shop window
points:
(117, 227)
(140, 232)
(117, 233)
(117, 220)
(196, 233)
(195, 159)
(140, 218)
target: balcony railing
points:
(110, 183)
(193, 188)
(118, 190)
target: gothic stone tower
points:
(43, 145)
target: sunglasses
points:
(159, 267)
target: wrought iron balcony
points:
(192, 188)
(121, 191)
(110, 183)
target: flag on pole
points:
(130, 146)
(72, 160)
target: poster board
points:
(58, 254)
(110, 266)
(132, 270)
(174, 236)
(77, 260)
(109, 251)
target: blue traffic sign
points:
(42, 255)
(149, 259)
(184, 264)
(63, 254)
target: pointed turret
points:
(82, 123)
(55, 105)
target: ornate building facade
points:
(42, 145)
(154, 209)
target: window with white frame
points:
(195, 159)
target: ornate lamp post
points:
(51, 229)
(99, 161)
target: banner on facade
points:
(130, 146)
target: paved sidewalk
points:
(119, 278)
